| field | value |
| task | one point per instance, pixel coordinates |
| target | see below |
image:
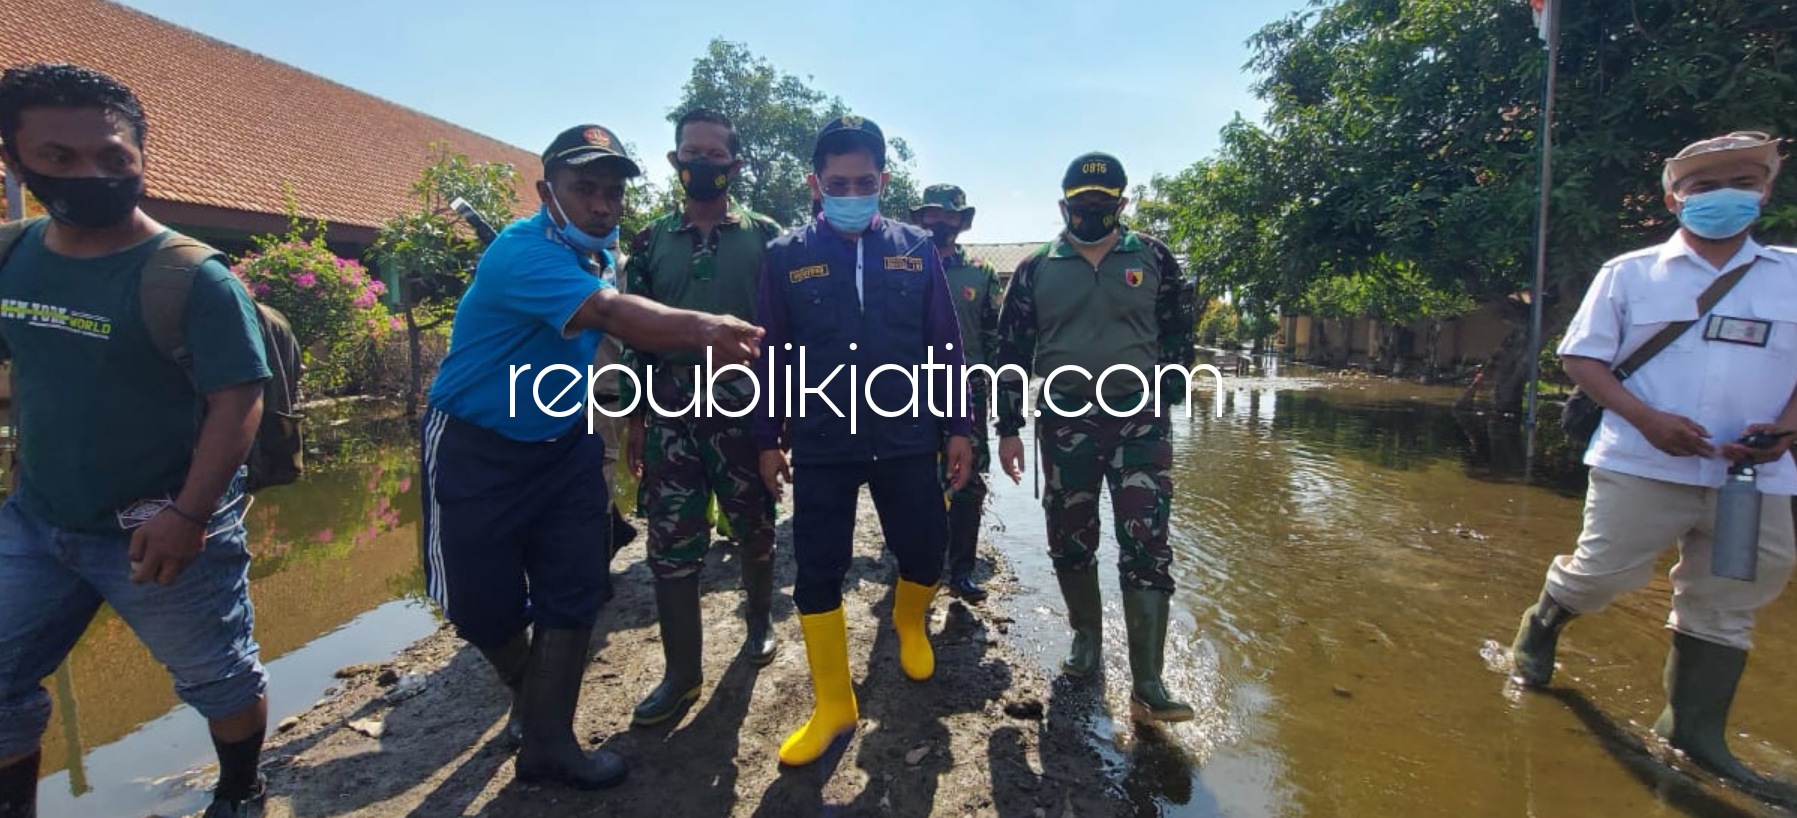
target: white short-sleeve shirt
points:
(1721, 385)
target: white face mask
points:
(582, 240)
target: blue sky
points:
(994, 95)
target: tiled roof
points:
(227, 127)
(1003, 257)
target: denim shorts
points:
(52, 582)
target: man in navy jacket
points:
(857, 312)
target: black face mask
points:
(87, 201)
(1090, 223)
(943, 234)
(704, 180)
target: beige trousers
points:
(1630, 521)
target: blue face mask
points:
(851, 214)
(583, 241)
(1720, 214)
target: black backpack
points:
(277, 457)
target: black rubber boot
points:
(1085, 614)
(1145, 613)
(550, 753)
(682, 648)
(510, 661)
(18, 787)
(1701, 677)
(1537, 639)
(963, 541)
(226, 807)
(760, 645)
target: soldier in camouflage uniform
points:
(1099, 296)
(974, 287)
(611, 429)
(708, 253)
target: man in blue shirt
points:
(512, 497)
(841, 298)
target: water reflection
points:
(1344, 549)
(336, 580)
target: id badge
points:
(141, 512)
(1746, 331)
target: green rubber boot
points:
(1537, 639)
(1145, 613)
(1085, 614)
(682, 650)
(1701, 677)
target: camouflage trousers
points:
(975, 490)
(1134, 457)
(687, 460)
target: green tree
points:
(433, 252)
(1402, 136)
(777, 116)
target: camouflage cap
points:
(947, 197)
(1753, 147)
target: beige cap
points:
(1740, 146)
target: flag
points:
(1544, 11)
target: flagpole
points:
(1551, 16)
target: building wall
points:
(1469, 339)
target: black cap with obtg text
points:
(1094, 171)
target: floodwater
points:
(1348, 553)
(336, 581)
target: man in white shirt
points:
(1669, 436)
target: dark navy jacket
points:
(807, 299)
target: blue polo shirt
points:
(526, 289)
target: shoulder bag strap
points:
(1660, 340)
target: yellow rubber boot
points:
(910, 617)
(834, 713)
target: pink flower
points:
(261, 289)
(324, 536)
(396, 322)
(305, 280)
(365, 300)
(377, 287)
(405, 484)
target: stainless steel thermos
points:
(1736, 548)
(1735, 552)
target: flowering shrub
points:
(333, 304)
